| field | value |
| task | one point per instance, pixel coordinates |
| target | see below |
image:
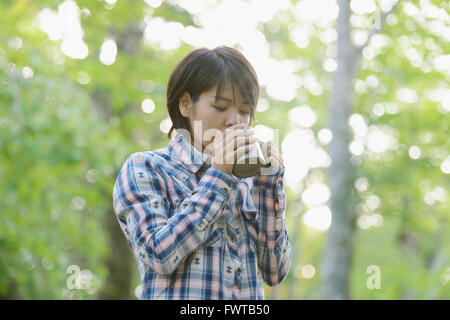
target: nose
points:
(232, 119)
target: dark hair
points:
(201, 70)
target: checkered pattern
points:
(210, 236)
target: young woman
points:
(196, 230)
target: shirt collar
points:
(183, 151)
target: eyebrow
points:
(226, 99)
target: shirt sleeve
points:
(273, 246)
(140, 203)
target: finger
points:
(219, 140)
(239, 152)
(269, 148)
(237, 126)
(232, 147)
(239, 141)
(233, 128)
(209, 148)
(275, 154)
(277, 160)
(232, 141)
(232, 134)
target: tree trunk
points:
(339, 246)
(121, 262)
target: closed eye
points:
(223, 109)
(219, 109)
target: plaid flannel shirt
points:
(214, 236)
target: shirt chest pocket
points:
(248, 208)
(216, 238)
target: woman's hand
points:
(230, 145)
(272, 155)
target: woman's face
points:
(207, 116)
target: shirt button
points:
(227, 207)
(225, 189)
(202, 225)
(230, 183)
(238, 270)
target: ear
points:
(185, 104)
